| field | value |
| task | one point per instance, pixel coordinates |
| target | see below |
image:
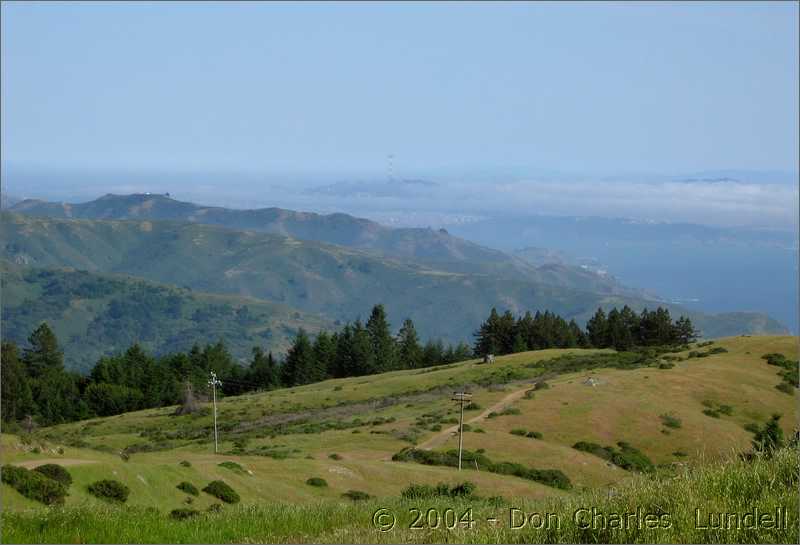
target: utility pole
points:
(461, 397)
(213, 382)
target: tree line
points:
(620, 329)
(36, 386)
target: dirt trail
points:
(444, 435)
(30, 464)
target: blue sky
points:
(305, 87)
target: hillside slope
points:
(97, 314)
(339, 282)
(346, 430)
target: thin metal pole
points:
(461, 432)
(216, 443)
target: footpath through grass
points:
(646, 509)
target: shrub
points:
(786, 388)
(666, 365)
(472, 406)
(534, 435)
(183, 513)
(627, 457)
(518, 431)
(356, 495)
(717, 350)
(319, 482)
(34, 485)
(222, 491)
(233, 466)
(214, 508)
(441, 490)
(55, 472)
(110, 490)
(671, 421)
(725, 409)
(334, 456)
(550, 477)
(189, 488)
(679, 454)
(711, 412)
(186, 463)
(541, 386)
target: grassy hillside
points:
(338, 282)
(731, 486)
(347, 430)
(98, 314)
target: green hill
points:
(346, 432)
(99, 314)
(337, 282)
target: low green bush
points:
(34, 485)
(441, 490)
(186, 463)
(317, 481)
(356, 495)
(671, 421)
(334, 456)
(233, 466)
(627, 457)
(55, 472)
(183, 513)
(110, 490)
(222, 491)
(189, 488)
(518, 431)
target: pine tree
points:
(383, 344)
(44, 353)
(487, 339)
(683, 331)
(597, 329)
(324, 357)
(362, 352)
(410, 352)
(299, 361)
(16, 399)
(263, 370)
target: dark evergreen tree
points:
(44, 353)
(299, 361)
(324, 357)
(409, 350)
(597, 329)
(383, 345)
(263, 370)
(487, 338)
(16, 398)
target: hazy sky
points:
(305, 87)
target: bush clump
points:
(110, 490)
(55, 472)
(186, 463)
(334, 456)
(549, 477)
(222, 491)
(183, 513)
(627, 457)
(34, 485)
(317, 481)
(441, 490)
(189, 488)
(233, 466)
(671, 421)
(356, 495)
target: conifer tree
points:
(409, 350)
(383, 344)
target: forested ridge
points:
(37, 390)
